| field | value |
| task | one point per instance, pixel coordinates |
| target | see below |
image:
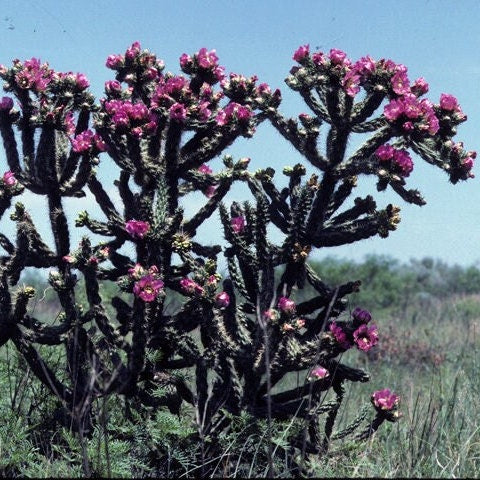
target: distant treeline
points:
(387, 282)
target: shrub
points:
(230, 341)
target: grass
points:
(430, 356)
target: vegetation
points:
(153, 362)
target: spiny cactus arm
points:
(353, 425)
(190, 226)
(365, 108)
(323, 300)
(41, 370)
(103, 199)
(6, 244)
(361, 207)
(9, 142)
(74, 186)
(378, 223)
(304, 144)
(69, 163)
(339, 389)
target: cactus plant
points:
(232, 340)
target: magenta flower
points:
(340, 336)
(419, 86)
(302, 52)
(222, 300)
(270, 315)
(137, 228)
(114, 61)
(210, 191)
(393, 110)
(82, 142)
(403, 160)
(81, 81)
(6, 104)
(136, 271)
(238, 224)
(365, 337)
(207, 59)
(385, 152)
(204, 168)
(318, 373)
(400, 83)
(351, 83)
(286, 305)
(190, 287)
(178, 112)
(362, 316)
(9, 179)
(338, 57)
(147, 288)
(385, 399)
(448, 102)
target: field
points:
(428, 354)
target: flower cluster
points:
(204, 64)
(56, 95)
(318, 373)
(84, 256)
(361, 335)
(137, 228)
(398, 160)
(385, 400)
(88, 142)
(412, 114)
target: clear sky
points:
(436, 39)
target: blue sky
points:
(439, 40)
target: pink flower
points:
(400, 83)
(365, 66)
(137, 228)
(419, 86)
(178, 112)
(204, 168)
(319, 58)
(448, 102)
(270, 315)
(81, 81)
(114, 61)
(286, 327)
(190, 287)
(318, 373)
(300, 323)
(302, 52)
(82, 142)
(207, 59)
(351, 83)
(393, 110)
(385, 152)
(340, 336)
(468, 162)
(222, 300)
(385, 399)
(403, 160)
(136, 271)
(365, 337)
(238, 224)
(9, 179)
(286, 305)
(360, 315)
(210, 191)
(338, 57)
(132, 51)
(6, 104)
(185, 61)
(147, 288)
(68, 259)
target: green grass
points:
(428, 355)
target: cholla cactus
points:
(161, 130)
